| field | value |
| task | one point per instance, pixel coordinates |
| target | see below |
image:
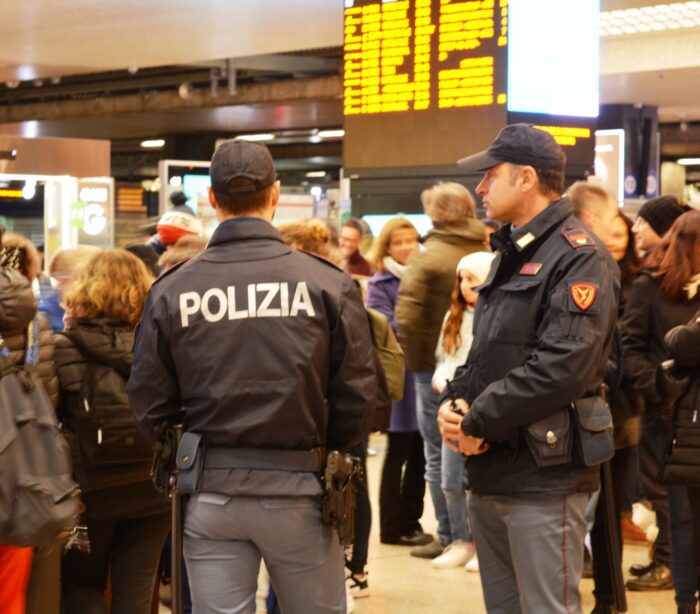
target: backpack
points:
(38, 497)
(391, 370)
(103, 423)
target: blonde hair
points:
(448, 203)
(380, 248)
(588, 198)
(112, 284)
(184, 248)
(310, 235)
(68, 260)
(32, 261)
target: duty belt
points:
(265, 459)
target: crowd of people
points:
(500, 324)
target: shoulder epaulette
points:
(321, 259)
(577, 236)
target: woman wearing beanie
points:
(451, 352)
(654, 220)
(659, 301)
(402, 485)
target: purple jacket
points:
(382, 290)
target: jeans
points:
(130, 547)
(455, 495)
(427, 407)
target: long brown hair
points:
(452, 338)
(381, 245)
(677, 258)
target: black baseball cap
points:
(519, 144)
(240, 159)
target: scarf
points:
(394, 267)
(693, 286)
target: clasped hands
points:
(449, 423)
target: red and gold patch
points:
(531, 268)
(583, 295)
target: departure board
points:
(417, 58)
(426, 81)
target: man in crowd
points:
(654, 219)
(350, 240)
(267, 351)
(542, 333)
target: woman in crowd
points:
(627, 406)
(127, 521)
(452, 350)
(657, 302)
(402, 484)
(683, 343)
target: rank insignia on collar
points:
(525, 240)
(531, 268)
(583, 295)
(577, 237)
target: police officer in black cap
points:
(542, 333)
(267, 350)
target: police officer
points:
(542, 332)
(267, 350)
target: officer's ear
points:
(276, 190)
(212, 199)
(528, 179)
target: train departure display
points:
(426, 81)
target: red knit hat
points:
(173, 225)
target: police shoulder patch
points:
(583, 294)
(577, 236)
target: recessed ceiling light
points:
(331, 134)
(316, 174)
(256, 137)
(153, 143)
(689, 161)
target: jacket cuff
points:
(473, 425)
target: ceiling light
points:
(331, 134)
(153, 143)
(656, 18)
(255, 137)
(689, 161)
(316, 174)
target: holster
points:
(190, 462)
(341, 478)
(594, 440)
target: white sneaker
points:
(472, 565)
(458, 553)
(350, 600)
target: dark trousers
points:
(651, 451)
(363, 516)
(402, 489)
(623, 469)
(132, 546)
(694, 498)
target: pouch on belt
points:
(190, 462)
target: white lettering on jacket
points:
(267, 300)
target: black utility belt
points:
(581, 433)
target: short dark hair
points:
(353, 223)
(551, 181)
(240, 204)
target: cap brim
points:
(478, 162)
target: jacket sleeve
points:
(636, 331)
(683, 343)
(154, 393)
(411, 320)
(569, 355)
(46, 368)
(379, 300)
(352, 384)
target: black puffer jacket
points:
(104, 339)
(648, 316)
(17, 310)
(683, 343)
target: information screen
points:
(427, 82)
(428, 77)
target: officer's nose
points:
(481, 188)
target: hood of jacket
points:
(107, 341)
(471, 230)
(17, 303)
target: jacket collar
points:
(244, 229)
(384, 276)
(527, 234)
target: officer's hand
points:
(471, 446)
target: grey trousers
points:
(225, 538)
(530, 552)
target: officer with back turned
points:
(532, 423)
(267, 351)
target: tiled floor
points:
(401, 584)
